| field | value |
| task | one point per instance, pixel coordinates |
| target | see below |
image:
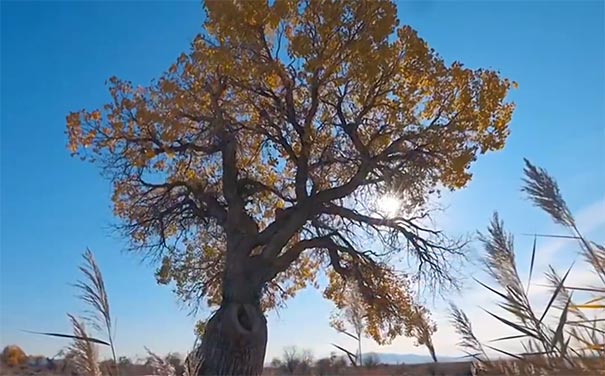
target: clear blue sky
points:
(57, 56)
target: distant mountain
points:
(392, 358)
(389, 358)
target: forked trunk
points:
(235, 338)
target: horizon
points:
(54, 206)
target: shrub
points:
(13, 355)
(334, 365)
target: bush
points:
(334, 365)
(12, 355)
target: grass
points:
(82, 354)
(93, 293)
(563, 338)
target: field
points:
(440, 369)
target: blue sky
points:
(55, 58)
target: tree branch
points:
(249, 186)
(213, 208)
(290, 255)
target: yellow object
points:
(12, 355)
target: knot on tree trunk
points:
(235, 340)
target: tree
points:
(256, 160)
(371, 361)
(294, 361)
(12, 355)
(349, 320)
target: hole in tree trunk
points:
(243, 318)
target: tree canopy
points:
(268, 144)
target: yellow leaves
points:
(273, 81)
(163, 276)
(240, 21)
(88, 139)
(271, 179)
(12, 356)
(389, 310)
(460, 163)
(190, 175)
(95, 115)
(200, 328)
(380, 143)
(149, 153)
(280, 204)
(288, 283)
(168, 86)
(74, 131)
(351, 69)
(591, 304)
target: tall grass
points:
(563, 338)
(93, 293)
(193, 361)
(160, 366)
(82, 354)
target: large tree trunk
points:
(234, 342)
(235, 338)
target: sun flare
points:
(388, 206)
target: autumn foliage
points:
(13, 355)
(263, 150)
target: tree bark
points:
(235, 338)
(234, 342)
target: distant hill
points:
(390, 358)
(393, 358)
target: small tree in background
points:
(257, 159)
(574, 343)
(371, 361)
(294, 361)
(350, 320)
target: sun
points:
(388, 205)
